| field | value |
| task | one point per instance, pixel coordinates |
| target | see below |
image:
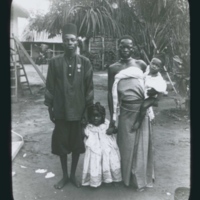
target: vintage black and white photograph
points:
(100, 95)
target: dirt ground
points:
(171, 141)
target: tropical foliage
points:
(159, 27)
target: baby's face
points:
(154, 67)
(96, 118)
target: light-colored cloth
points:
(135, 147)
(102, 157)
(156, 82)
(130, 72)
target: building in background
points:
(16, 12)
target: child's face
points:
(96, 118)
(154, 67)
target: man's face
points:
(70, 42)
(125, 48)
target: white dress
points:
(102, 157)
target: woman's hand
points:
(112, 128)
(152, 92)
(109, 131)
(135, 126)
(51, 114)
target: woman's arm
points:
(112, 128)
(143, 109)
(110, 98)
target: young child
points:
(102, 157)
(154, 86)
(154, 82)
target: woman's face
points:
(96, 118)
(125, 48)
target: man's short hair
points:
(125, 37)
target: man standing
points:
(69, 92)
(135, 144)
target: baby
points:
(154, 86)
(154, 82)
(102, 157)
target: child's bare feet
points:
(108, 184)
(74, 181)
(61, 183)
(116, 184)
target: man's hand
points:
(51, 114)
(84, 122)
(83, 134)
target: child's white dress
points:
(102, 157)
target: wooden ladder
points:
(13, 76)
(23, 82)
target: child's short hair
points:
(142, 65)
(98, 107)
(157, 61)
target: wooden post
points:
(31, 54)
(89, 46)
(53, 50)
(117, 55)
(170, 80)
(103, 49)
(30, 59)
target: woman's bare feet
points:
(74, 181)
(61, 183)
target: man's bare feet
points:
(61, 183)
(140, 190)
(74, 181)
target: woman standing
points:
(135, 145)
